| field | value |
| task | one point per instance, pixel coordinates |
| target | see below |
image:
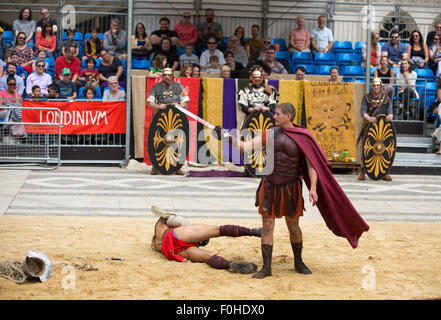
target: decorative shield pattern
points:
(168, 140)
(379, 148)
(255, 160)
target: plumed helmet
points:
(377, 81)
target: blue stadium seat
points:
(97, 95)
(8, 37)
(430, 94)
(358, 48)
(280, 42)
(89, 35)
(372, 69)
(327, 58)
(347, 59)
(425, 74)
(141, 64)
(98, 62)
(310, 68)
(324, 69)
(342, 47)
(302, 58)
(352, 72)
(180, 51)
(282, 55)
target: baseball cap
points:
(65, 71)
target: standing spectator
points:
(187, 32)
(93, 45)
(186, 71)
(255, 44)
(431, 34)
(13, 57)
(166, 50)
(39, 78)
(417, 50)
(240, 32)
(46, 39)
(45, 17)
(3, 46)
(11, 72)
(300, 73)
(276, 66)
(240, 54)
(141, 45)
(394, 50)
(25, 24)
(70, 42)
(375, 51)
(387, 76)
(70, 62)
(321, 37)
(406, 80)
(25, 53)
(164, 32)
(159, 63)
(235, 67)
(115, 40)
(188, 57)
(266, 46)
(114, 93)
(334, 75)
(435, 55)
(212, 50)
(67, 88)
(196, 73)
(90, 75)
(110, 66)
(299, 38)
(208, 29)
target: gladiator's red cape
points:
(336, 209)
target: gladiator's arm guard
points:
(269, 90)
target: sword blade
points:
(192, 115)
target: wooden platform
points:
(341, 165)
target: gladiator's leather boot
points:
(362, 175)
(299, 266)
(267, 255)
(154, 171)
(387, 178)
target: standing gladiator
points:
(374, 103)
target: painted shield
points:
(168, 140)
(255, 160)
(379, 148)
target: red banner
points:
(77, 117)
(193, 86)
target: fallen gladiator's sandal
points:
(242, 267)
(299, 265)
(267, 254)
(387, 178)
(160, 213)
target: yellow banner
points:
(330, 116)
(292, 92)
(212, 110)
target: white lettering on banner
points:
(75, 118)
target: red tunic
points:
(171, 246)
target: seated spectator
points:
(276, 66)
(25, 54)
(11, 72)
(188, 57)
(266, 46)
(387, 76)
(226, 71)
(186, 71)
(208, 29)
(3, 46)
(406, 80)
(375, 51)
(67, 89)
(394, 49)
(13, 57)
(187, 32)
(158, 64)
(10, 92)
(435, 55)
(300, 73)
(45, 17)
(35, 93)
(299, 38)
(53, 92)
(115, 40)
(434, 108)
(89, 92)
(322, 39)
(214, 64)
(110, 66)
(70, 42)
(334, 75)
(2, 70)
(239, 52)
(417, 50)
(431, 34)
(70, 62)
(254, 45)
(90, 76)
(164, 32)
(196, 72)
(46, 39)
(39, 78)
(235, 67)
(41, 55)
(171, 55)
(25, 24)
(114, 93)
(141, 45)
(240, 33)
(204, 61)
(93, 45)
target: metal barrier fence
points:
(29, 143)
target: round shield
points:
(379, 148)
(255, 160)
(168, 140)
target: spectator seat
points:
(342, 47)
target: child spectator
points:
(214, 64)
(53, 91)
(67, 89)
(36, 92)
(158, 64)
(93, 45)
(89, 92)
(196, 73)
(70, 42)
(41, 55)
(13, 57)
(90, 76)
(186, 71)
(47, 39)
(188, 57)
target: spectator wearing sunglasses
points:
(187, 32)
(204, 61)
(435, 55)
(39, 78)
(394, 50)
(11, 72)
(431, 34)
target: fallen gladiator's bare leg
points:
(200, 232)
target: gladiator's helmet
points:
(376, 81)
(167, 76)
(256, 76)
